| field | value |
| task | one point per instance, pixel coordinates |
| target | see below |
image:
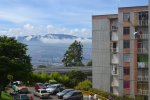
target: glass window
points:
(126, 16)
(126, 84)
(126, 70)
(126, 30)
(126, 57)
(126, 44)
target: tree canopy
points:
(74, 55)
(14, 60)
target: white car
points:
(42, 93)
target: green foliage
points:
(6, 96)
(76, 77)
(89, 63)
(107, 94)
(143, 58)
(42, 66)
(13, 60)
(55, 76)
(44, 76)
(84, 85)
(74, 55)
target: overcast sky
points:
(28, 17)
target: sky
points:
(40, 17)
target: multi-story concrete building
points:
(120, 52)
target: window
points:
(114, 27)
(126, 84)
(126, 44)
(126, 17)
(126, 70)
(126, 30)
(126, 57)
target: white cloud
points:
(28, 26)
(48, 40)
(29, 29)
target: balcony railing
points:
(142, 50)
(142, 92)
(114, 72)
(143, 78)
(114, 50)
(142, 22)
(114, 36)
(142, 65)
(115, 84)
(115, 61)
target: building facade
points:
(121, 52)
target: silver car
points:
(42, 93)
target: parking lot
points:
(52, 97)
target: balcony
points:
(142, 50)
(115, 91)
(142, 23)
(142, 65)
(115, 83)
(143, 78)
(114, 50)
(114, 36)
(115, 61)
(142, 92)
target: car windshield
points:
(69, 93)
(43, 91)
(52, 86)
(65, 91)
(24, 97)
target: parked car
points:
(39, 86)
(21, 97)
(62, 93)
(73, 95)
(42, 93)
(55, 88)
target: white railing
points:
(114, 36)
(143, 78)
(142, 22)
(142, 50)
(115, 83)
(142, 92)
(114, 50)
(142, 65)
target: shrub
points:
(84, 85)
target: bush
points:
(107, 94)
(84, 85)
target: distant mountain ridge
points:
(47, 36)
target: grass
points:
(6, 96)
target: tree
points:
(76, 77)
(89, 63)
(74, 55)
(13, 61)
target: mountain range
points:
(50, 48)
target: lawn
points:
(6, 96)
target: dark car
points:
(73, 95)
(39, 86)
(62, 93)
(21, 97)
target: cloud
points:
(28, 26)
(29, 29)
(48, 40)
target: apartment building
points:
(120, 52)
